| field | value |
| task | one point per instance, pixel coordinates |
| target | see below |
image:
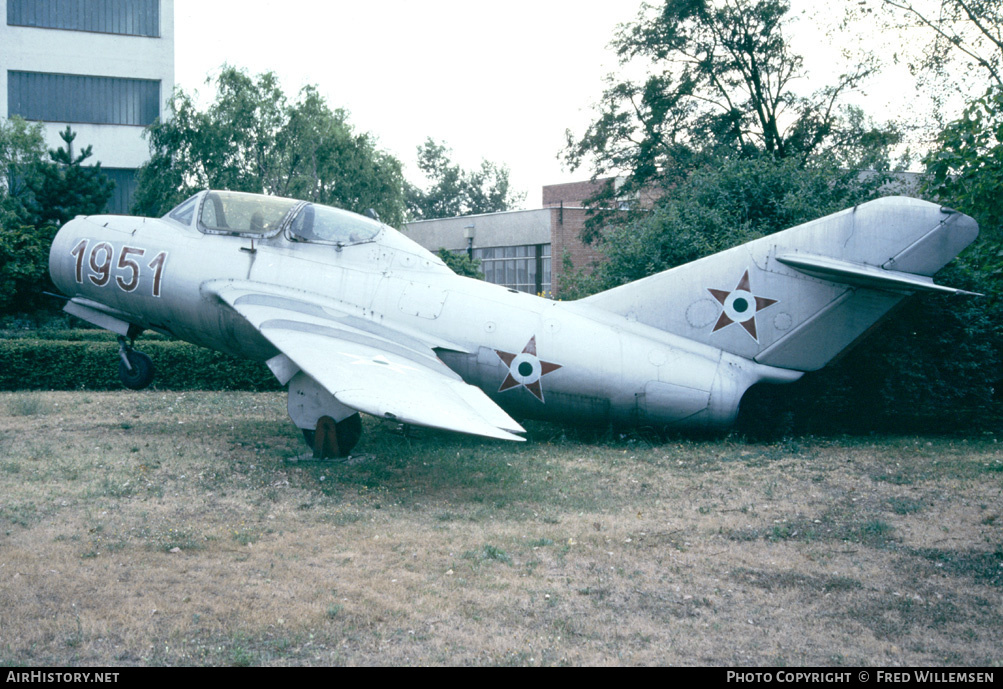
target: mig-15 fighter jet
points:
(355, 317)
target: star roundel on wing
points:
(525, 369)
(740, 306)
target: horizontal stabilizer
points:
(862, 275)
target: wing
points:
(387, 372)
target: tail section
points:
(797, 298)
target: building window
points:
(127, 17)
(82, 99)
(125, 188)
(525, 268)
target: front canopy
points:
(232, 212)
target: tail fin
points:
(797, 298)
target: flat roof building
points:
(104, 67)
(513, 246)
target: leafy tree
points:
(716, 132)
(22, 157)
(719, 81)
(461, 264)
(253, 139)
(969, 30)
(454, 191)
(965, 171)
(966, 166)
(24, 267)
(963, 54)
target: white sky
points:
(501, 81)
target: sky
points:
(495, 81)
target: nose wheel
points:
(135, 369)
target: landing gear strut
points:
(135, 369)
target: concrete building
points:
(513, 246)
(104, 67)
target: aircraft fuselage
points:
(535, 357)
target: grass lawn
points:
(160, 528)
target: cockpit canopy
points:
(325, 224)
(255, 215)
(231, 212)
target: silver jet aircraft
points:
(355, 317)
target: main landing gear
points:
(334, 439)
(329, 427)
(135, 369)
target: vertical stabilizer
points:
(796, 298)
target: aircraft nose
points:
(62, 264)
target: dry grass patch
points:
(161, 528)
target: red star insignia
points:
(525, 369)
(740, 306)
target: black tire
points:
(141, 374)
(349, 432)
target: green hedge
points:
(72, 335)
(40, 364)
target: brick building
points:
(568, 215)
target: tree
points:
(454, 191)
(37, 197)
(965, 171)
(24, 267)
(253, 139)
(966, 165)
(970, 30)
(719, 81)
(461, 264)
(22, 157)
(67, 188)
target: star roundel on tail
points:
(525, 369)
(740, 306)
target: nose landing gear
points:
(135, 369)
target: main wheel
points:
(142, 371)
(334, 439)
